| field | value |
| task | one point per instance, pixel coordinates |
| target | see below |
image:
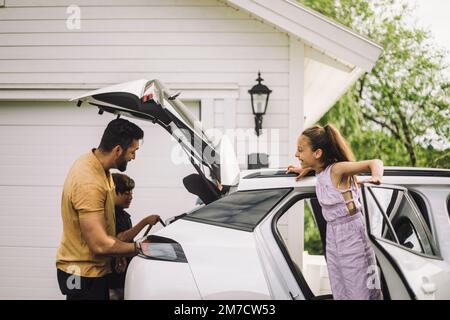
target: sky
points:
(434, 15)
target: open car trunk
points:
(151, 100)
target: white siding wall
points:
(182, 42)
(189, 41)
(39, 142)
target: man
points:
(125, 231)
(87, 207)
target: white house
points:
(210, 50)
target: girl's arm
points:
(346, 169)
(299, 170)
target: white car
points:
(242, 244)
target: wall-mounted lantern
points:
(260, 98)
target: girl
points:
(351, 261)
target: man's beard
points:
(122, 163)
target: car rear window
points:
(241, 210)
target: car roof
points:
(277, 178)
(260, 179)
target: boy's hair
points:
(123, 183)
(120, 132)
(333, 145)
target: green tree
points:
(399, 111)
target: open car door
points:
(405, 249)
(152, 101)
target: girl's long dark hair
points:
(333, 145)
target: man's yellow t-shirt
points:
(88, 189)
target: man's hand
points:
(299, 170)
(152, 219)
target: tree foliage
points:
(398, 112)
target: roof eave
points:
(316, 29)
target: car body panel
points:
(433, 196)
(409, 274)
(274, 266)
(281, 274)
(142, 277)
(223, 261)
(267, 180)
(234, 264)
(427, 278)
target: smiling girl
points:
(350, 259)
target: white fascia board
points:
(334, 39)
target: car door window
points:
(378, 207)
(407, 235)
(421, 205)
(394, 217)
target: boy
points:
(125, 232)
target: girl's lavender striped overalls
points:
(350, 260)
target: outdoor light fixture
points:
(260, 98)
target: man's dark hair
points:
(120, 132)
(123, 182)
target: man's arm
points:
(93, 231)
(130, 234)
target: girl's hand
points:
(373, 179)
(299, 170)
